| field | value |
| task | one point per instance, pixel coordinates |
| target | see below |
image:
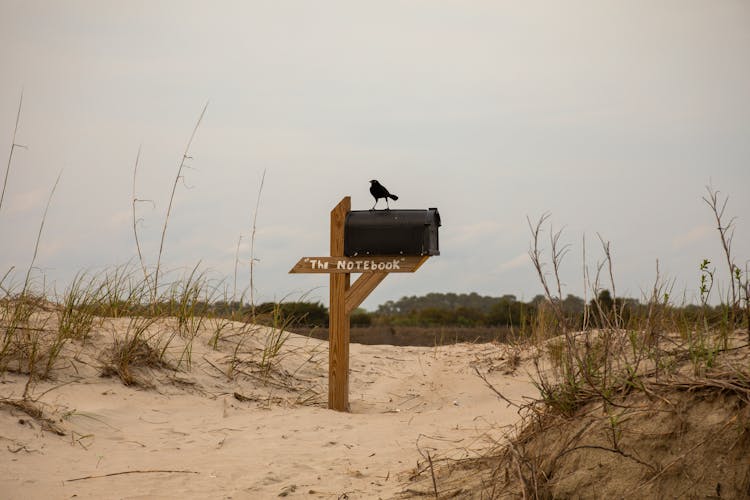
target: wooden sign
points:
(395, 264)
(345, 296)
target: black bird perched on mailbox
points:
(377, 190)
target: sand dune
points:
(197, 433)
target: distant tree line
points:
(464, 310)
(452, 309)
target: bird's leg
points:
(387, 206)
(376, 202)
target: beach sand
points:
(198, 433)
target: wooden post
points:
(345, 298)
(338, 319)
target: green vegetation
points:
(638, 397)
(473, 310)
(599, 352)
(164, 313)
(624, 358)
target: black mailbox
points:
(391, 232)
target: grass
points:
(35, 330)
(13, 146)
(626, 373)
(157, 336)
(275, 340)
(189, 310)
(141, 347)
(616, 354)
(156, 316)
(641, 400)
(31, 340)
(605, 359)
(77, 313)
(177, 179)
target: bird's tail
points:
(393, 197)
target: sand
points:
(196, 433)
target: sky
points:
(610, 116)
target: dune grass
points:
(36, 323)
(618, 352)
(625, 346)
(624, 389)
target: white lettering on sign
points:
(359, 265)
(318, 264)
(368, 265)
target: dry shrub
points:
(678, 445)
(30, 343)
(679, 437)
(639, 404)
(139, 349)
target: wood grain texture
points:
(338, 353)
(361, 288)
(345, 298)
(347, 265)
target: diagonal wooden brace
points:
(346, 297)
(361, 288)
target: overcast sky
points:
(612, 116)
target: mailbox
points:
(391, 232)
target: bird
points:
(377, 190)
